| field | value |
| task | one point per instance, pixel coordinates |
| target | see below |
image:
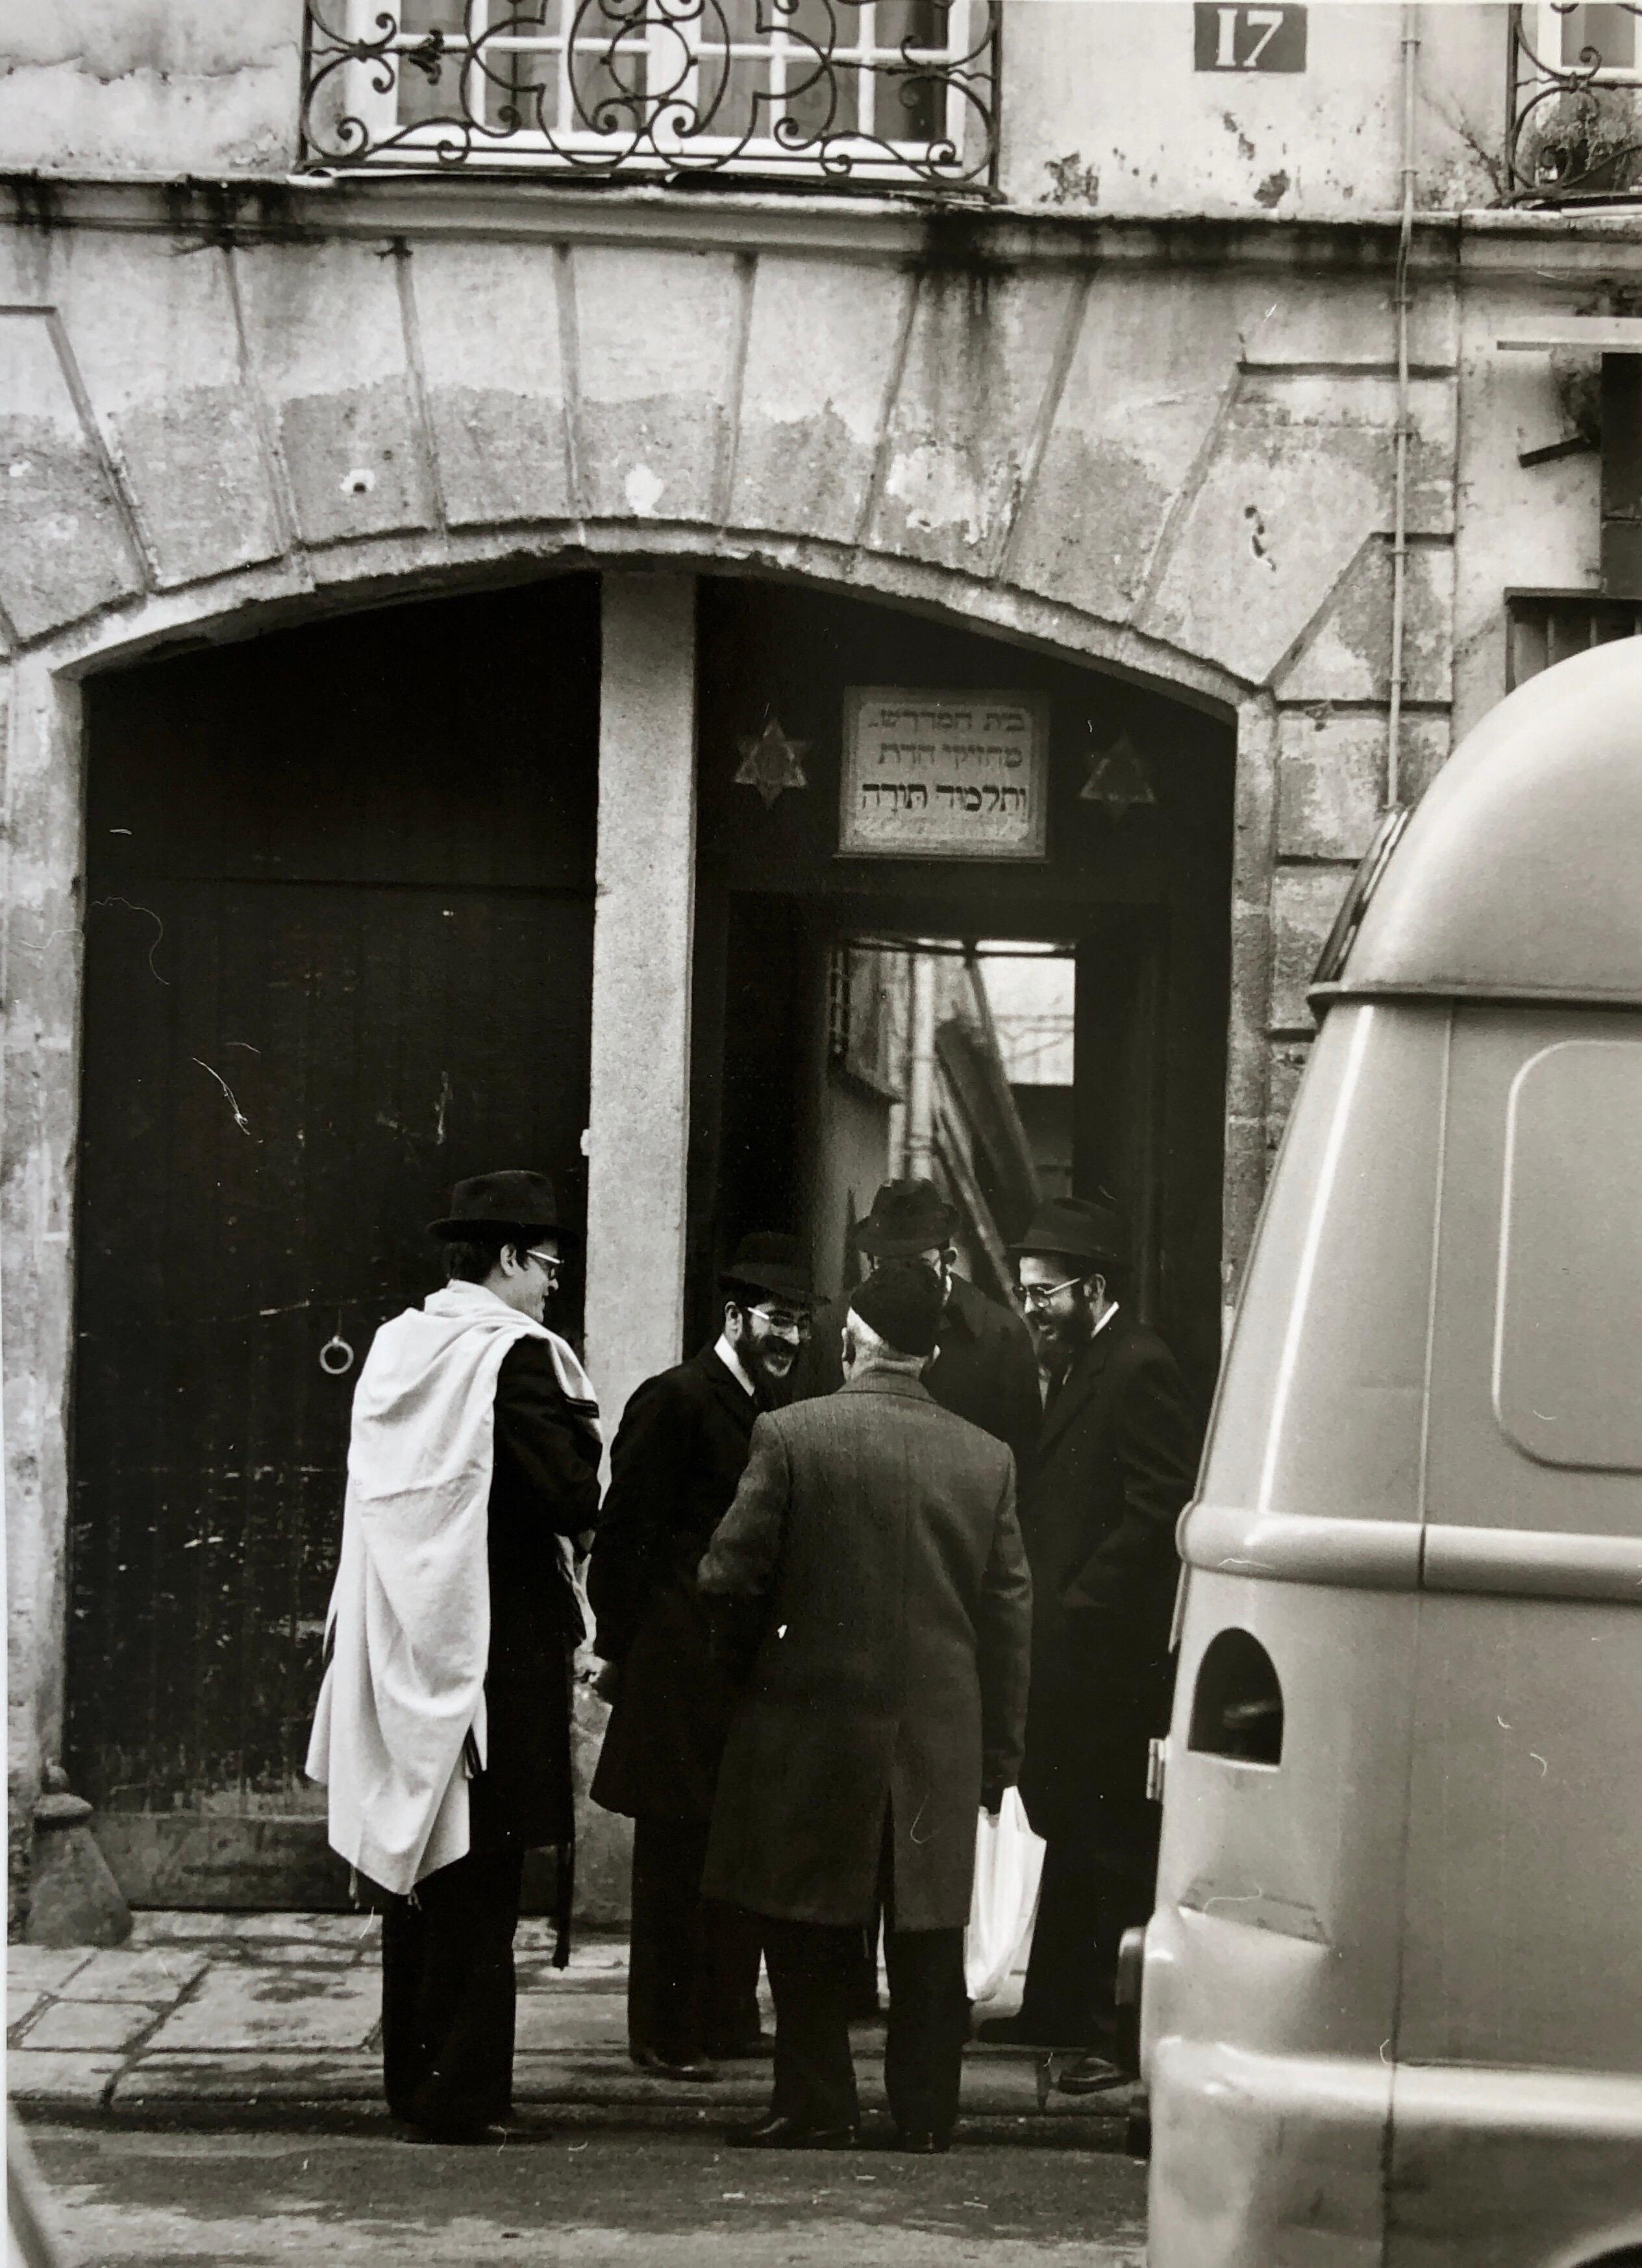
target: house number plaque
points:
(1249, 39)
(943, 775)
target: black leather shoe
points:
(1092, 2074)
(779, 2132)
(695, 2069)
(918, 2142)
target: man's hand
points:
(991, 1798)
(608, 1683)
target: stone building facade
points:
(1173, 413)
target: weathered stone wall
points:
(159, 87)
(1527, 527)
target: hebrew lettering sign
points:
(943, 775)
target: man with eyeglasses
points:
(443, 1731)
(679, 1455)
(1115, 1463)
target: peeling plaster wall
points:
(161, 88)
(1103, 111)
(1523, 527)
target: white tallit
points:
(409, 1620)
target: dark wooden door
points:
(338, 954)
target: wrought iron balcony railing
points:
(1574, 132)
(850, 94)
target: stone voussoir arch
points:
(1029, 452)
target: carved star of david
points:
(770, 762)
(1118, 780)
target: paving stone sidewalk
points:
(261, 2017)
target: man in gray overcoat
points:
(873, 1561)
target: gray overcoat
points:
(877, 1535)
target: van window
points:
(1569, 1319)
(1237, 1709)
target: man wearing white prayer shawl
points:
(443, 1730)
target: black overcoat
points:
(876, 1534)
(544, 1484)
(1115, 1465)
(678, 1454)
(984, 1367)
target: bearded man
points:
(1115, 1464)
(442, 1725)
(679, 1454)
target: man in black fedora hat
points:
(443, 1730)
(1114, 1466)
(983, 1368)
(693, 1975)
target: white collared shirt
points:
(1104, 1321)
(733, 1364)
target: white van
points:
(1391, 1996)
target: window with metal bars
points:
(1544, 627)
(859, 92)
(1574, 127)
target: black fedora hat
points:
(775, 1265)
(908, 1216)
(488, 1202)
(1090, 1229)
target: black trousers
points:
(812, 1967)
(692, 1979)
(448, 1995)
(1091, 1892)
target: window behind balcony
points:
(1605, 32)
(853, 92)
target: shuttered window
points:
(1544, 627)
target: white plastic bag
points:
(1008, 1867)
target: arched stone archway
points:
(228, 416)
(650, 1081)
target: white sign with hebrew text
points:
(943, 775)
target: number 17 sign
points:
(1248, 38)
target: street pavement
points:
(212, 2093)
(561, 2195)
(270, 2019)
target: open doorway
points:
(1004, 1069)
(952, 1059)
(1018, 1025)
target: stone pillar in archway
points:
(638, 1118)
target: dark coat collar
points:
(966, 1309)
(1085, 1376)
(887, 1381)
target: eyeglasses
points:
(784, 1323)
(549, 1262)
(1039, 1295)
